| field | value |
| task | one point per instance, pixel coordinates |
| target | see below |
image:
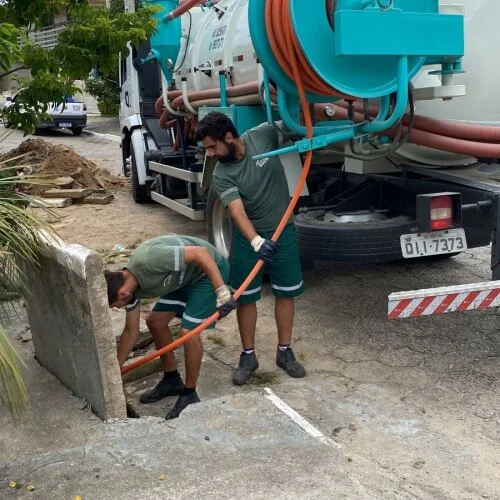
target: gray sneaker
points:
(286, 360)
(247, 365)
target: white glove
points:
(257, 242)
(223, 295)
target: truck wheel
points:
(77, 130)
(219, 225)
(358, 237)
(140, 192)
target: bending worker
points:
(257, 196)
(189, 276)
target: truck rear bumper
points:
(66, 121)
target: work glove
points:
(225, 301)
(265, 248)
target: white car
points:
(71, 114)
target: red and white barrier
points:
(433, 301)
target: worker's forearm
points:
(209, 267)
(243, 223)
(126, 345)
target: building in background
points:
(47, 36)
(47, 39)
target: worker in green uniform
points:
(256, 194)
(189, 276)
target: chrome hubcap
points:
(222, 228)
(354, 217)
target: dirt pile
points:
(56, 160)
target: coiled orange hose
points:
(281, 37)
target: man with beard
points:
(256, 194)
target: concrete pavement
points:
(239, 446)
(413, 404)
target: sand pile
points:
(55, 160)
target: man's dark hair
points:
(215, 125)
(114, 280)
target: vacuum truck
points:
(405, 137)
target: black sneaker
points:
(181, 404)
(164, 388)
(286, 360)
(247, 365)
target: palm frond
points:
(21, 234)
(13, 392)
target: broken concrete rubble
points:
(50, 202)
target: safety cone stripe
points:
(443, 300)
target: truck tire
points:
(77, 131)
(140, 192)
(219, 225)
(356, 242)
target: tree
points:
(92, 39)
(107, 90)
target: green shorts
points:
(285, 270)
(195, 302)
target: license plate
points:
(64, 124)
(435, 243)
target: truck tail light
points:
(441, 212)
(84, 107)
(438, 211)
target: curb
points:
(109, 137)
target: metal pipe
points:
(169, 108)
(293, 124)
(185, 99)
(479, 205)
(223, 88)
(401, 102)
(237, 90)
(384, 108)
(267, 98)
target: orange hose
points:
(458, 130)
(183, 8)
(280, 35)
(291, 50)
(431, 138)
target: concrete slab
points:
(71, 326)
(239, 446)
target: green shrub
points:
(108, 108)
(107, 94)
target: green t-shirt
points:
(261, 185)
(159, 266)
